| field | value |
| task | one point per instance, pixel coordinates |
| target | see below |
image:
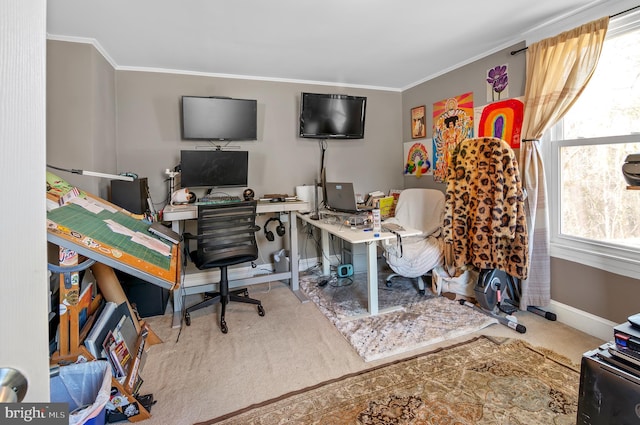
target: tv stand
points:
(609, 389)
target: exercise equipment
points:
(496, 291)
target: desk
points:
(87, 234)
(198, 281)
(357, 236)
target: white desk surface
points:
(353, 234)
(190, 211)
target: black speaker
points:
(132, 196)
(149, 299)
(280, 229)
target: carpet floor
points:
(199, 373)
(482, 381)
(414, 321)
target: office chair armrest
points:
(191, 237)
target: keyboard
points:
(217, 199)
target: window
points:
(594, 217)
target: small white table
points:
(197, 282)
(358, 236)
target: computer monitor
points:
(214, 168)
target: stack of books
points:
(626, 344)
(113, 337)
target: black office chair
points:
(226, 236)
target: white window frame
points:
(611, 258)
(604, 256)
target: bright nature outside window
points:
(595, 218)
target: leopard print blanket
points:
(485, 223)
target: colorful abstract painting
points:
(502, 119)
(452, 123)
(417, 159)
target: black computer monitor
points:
(214, 168)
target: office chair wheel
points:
(260, 310)
(187, 319)
(223, 326)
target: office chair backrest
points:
(421, 209)
(226, 234)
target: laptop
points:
(341, 197)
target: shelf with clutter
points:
(96, 322)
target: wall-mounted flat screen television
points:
(332, 116)
(214, 168)
(218, 118)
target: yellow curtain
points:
(558, 69)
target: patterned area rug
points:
(419, 321)
(482, 381)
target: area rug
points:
(481, 381)
(420, 320)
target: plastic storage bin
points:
(86, 388)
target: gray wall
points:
(148, 135)
(81, 121)
(147, 141)
(608, 295)
(128, 121)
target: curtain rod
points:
(514, 52)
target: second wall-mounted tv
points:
(218, 118)
(332, 116)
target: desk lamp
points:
(94, 173)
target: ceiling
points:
(386, 44)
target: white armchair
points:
(416, 256)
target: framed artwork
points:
(452, 123)
(498, 83)
(417, 159)
(501, 119)
(418, 122)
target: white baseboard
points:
(195, 277)
(583, 321)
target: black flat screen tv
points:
(214, 168)
(332, 116)
(218, 118)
